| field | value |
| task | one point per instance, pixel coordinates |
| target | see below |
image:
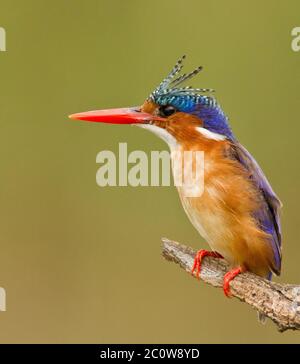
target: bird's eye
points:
(167, 110)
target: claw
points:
(229, 276)
(198, 260)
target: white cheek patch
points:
(209, 134)
(161, 133)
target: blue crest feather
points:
(191, 100)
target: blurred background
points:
(81, 263)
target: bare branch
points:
(279, 302)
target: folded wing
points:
(268, 215)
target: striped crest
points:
(170, 92)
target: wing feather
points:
(268, 216)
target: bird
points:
(238, 213)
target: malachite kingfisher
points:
(238, 212)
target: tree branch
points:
(279, 302)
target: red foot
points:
(229, 277)
(198, 259)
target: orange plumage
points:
(238, 212)
(224, 213)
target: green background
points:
(82, 263)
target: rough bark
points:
(279, 302)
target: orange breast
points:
(223, 214)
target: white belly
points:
(206, 212)
(211, 225)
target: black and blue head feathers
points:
(184, 98)
(191, 100)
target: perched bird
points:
(238, 212)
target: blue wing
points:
(268, 216)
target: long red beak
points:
(115, 116)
